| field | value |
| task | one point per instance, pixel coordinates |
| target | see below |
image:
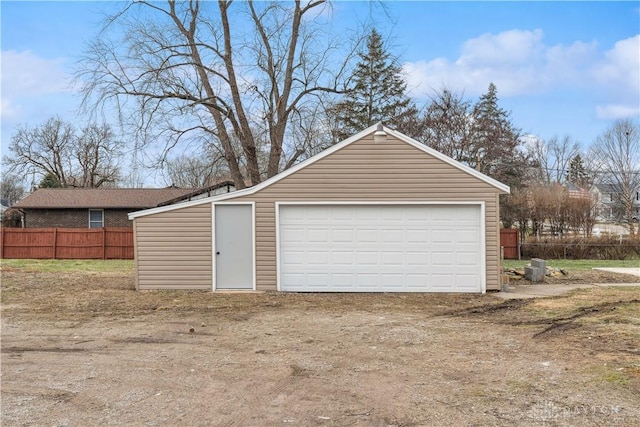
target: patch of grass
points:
(616, 302)
(612, 375)
(578, 298)
(576, 264)
(71, 265)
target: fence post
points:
(104, 243)
(2, 243)
(55, 242)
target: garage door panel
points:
(342, 258)
(342, 235)
(417, 258)
(466, 235)
(367, 235)
(416, 248)
(391, 281)
(293, 258)
(293, 278)
(318, 280)
(443, 236)
(392, 258)
(442, 259)
(292, 235)
(369, 215)
(466, 259)
(418, 235)
(318, 235)
(418, 281)
(320, 258)
(368, 258)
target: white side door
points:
(234, 246)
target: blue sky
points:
(561, 68)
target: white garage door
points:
(380, 248)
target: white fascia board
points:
(495, 183)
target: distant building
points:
(607, 198)
(90, 207)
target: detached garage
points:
(378, 212)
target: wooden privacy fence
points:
(510, 242)
(66, 243)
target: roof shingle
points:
(138, 198)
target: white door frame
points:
(481, 204)
(213, 242)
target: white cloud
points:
(620, 66)
(509, 47)
(507, 59)
(25, 77)
(520, 63)
(613, 112)
(9, 111)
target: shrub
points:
(605, 247)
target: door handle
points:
(218, 253)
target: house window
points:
(96, 218)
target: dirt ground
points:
(82, 349)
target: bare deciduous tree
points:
(98, 155)
(86, 159)
(195, 171)
(11, 189)
(552, 158)
(448, 124)
(227, 72)
(616, 154)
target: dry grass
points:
(84, 348)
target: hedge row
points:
(606, 247)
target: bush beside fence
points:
(606, 247)
(66, 243)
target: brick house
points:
(90, 207)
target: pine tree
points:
(577, 173)
(377, 94)
(494, 141)
(50, 181)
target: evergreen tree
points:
(577, 173)
(377, 94)
(50, 181)
(493, 148)
(494, 141)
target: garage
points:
(377, 212)
(381, 247)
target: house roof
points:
(137, 198)
(200, 191)
(607, 188)
(251, 190)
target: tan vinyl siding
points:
(366, 171)
(173, 249)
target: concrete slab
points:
(634, 271)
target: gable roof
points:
(607, 188)
(105, 198)
(251, 190)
